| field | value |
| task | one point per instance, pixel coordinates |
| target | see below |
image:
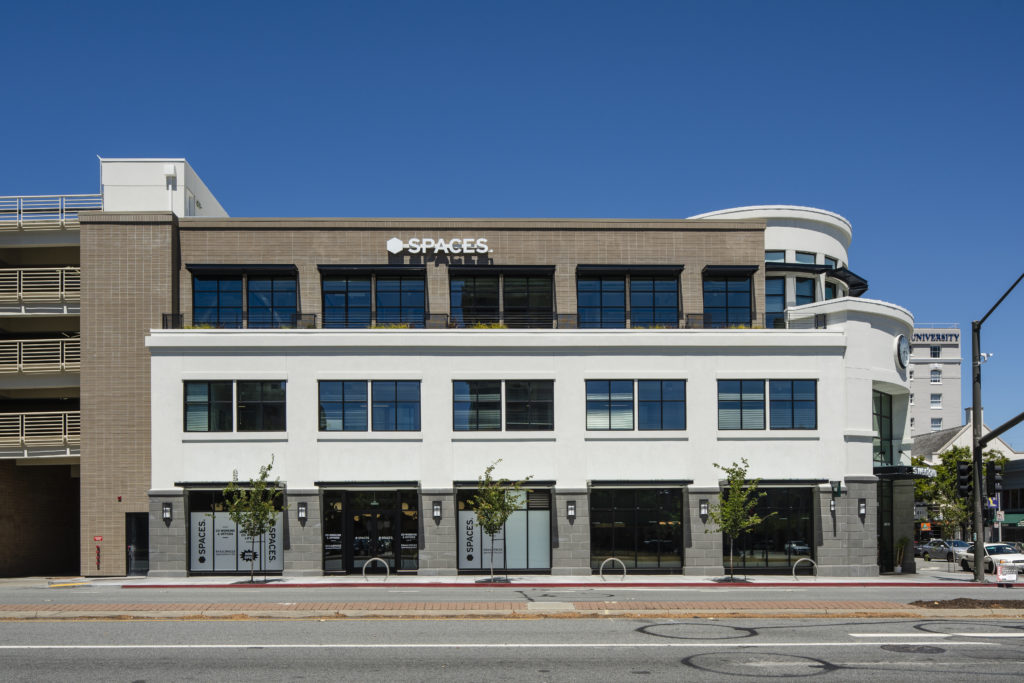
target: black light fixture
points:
(302, 511)
(570, 510)
(437, 510)
(837, 488)
(703, 506)
(167, 512)
(862, 507)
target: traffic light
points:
(964, 485)
(993, 478)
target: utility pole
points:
(978, 442)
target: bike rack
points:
(600, 571)
(377, 559)
(805, 559)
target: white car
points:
(995, 554)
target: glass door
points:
(373, 536)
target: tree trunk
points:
(492, 557)
(252, 564)
(731, 572)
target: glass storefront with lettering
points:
(785, 536)
(364, 525)
(217, 545)
(640, 527)
(523, 544)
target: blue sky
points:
(907, 118)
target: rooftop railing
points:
(40, 429)
(46, 212)
(28, 285)
(694, 321)
(40, 355)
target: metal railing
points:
(47, 211)
(23, 285)
(40, 355)
(571, 321)
(40, 429)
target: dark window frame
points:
(535, 407)
(263, 414)
(344, 405)
(733, 284)
(473, 405)
(609, 404)
(219, 315)
(219, 407)
(380, 406)
(407, 312)
(475, 288)
(662, 404)
(605, 315)
(799, 298)
(269, 316)
(779, 408)
(743, 403)
(347, 316)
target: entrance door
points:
(373, 536)
(137, 543)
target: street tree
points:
(494, 503)
(733, 514)
(941, 491)
(254, 507)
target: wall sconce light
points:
(832, 505)
(702, 506)
(862, 507)
(303, 512)
(570, 510)
(167, 512)
(837, 488)
(437, 510)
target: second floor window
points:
(609, 404)
(661, 404)
(741, 404)
(775, 302)
(476, 406)
(794, 404)
(208, 406)
(529, 405)
(261, 406)
(396, 406)
(343, 406)
(936, 377)
(936, 400)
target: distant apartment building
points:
(935, 360)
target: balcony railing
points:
(40, 429)
(40, 355)
(46, 212)
(37, 285)
(693, 321)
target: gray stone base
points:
(849, 570)
(436, 571)
(302, 572)
(707, 570)
(571, 571)
(167, 573)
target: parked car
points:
(937, 549)
(797, 548)
(958, 549)
(995, 553)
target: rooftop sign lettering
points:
(424, 245)
(953, 337)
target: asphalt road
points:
(513, 650)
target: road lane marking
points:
(901, 635)
(454, 646)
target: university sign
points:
(425, 245)
(949, 337)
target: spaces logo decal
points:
(423, 245)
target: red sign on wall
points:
(97, 538)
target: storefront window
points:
(360, 525)
(524, 543)
(641, 527)
(785, 535)
(216, 544)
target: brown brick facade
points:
(128, 265)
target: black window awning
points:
(242, 268)
(503, 270)
(729, 271)
(369, 269)
(668, 270)
(855, 283)
(810, 268)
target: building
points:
(384, 363)
(934, 378)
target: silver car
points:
(937, 549)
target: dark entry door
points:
(137, 543)
(373, 536)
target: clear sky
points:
(905, 117)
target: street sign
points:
(992, 502)
(926, 526)
(97, 538)
(1000, 516)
